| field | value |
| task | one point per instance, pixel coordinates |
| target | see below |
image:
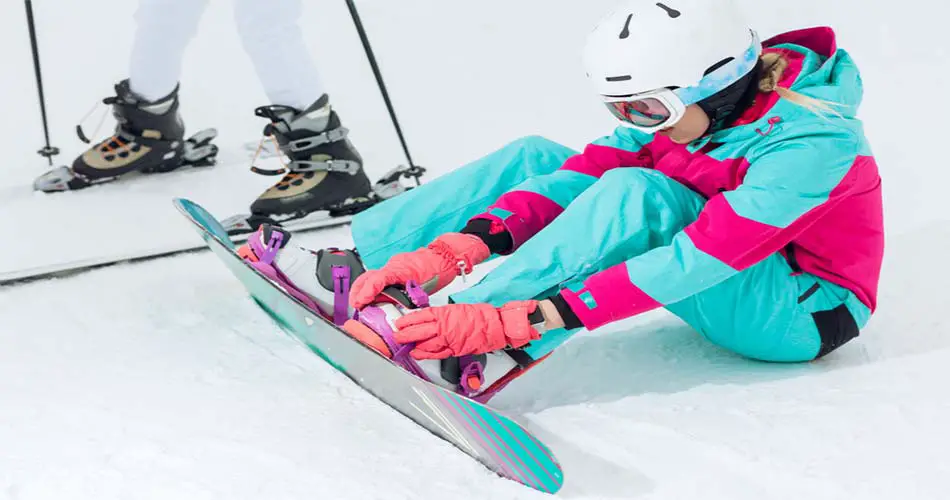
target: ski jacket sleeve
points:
(533, 204)
(787, 188)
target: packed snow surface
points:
(162, 380)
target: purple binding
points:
(266, 254)
(375, 319)
(416, 294)
(341, 294)
(470, 367)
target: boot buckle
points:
(346, 166)
(306, 143)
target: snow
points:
(162, 380)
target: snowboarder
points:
(738, 192)
(325, 169)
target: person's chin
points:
(668, 133)
(679, 140)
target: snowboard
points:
(496, 441)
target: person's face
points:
(691, 127)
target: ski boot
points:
(478, 377)
(148, 138)
(325, 172)
(388, 186)
(320, 280)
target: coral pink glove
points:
(432, 267)
(460, 329)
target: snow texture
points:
(162, 380)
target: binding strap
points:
(473, 375)
(375, 319)
(519, 356)
(341, 294)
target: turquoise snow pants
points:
(765, 312)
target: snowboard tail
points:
(496, 441)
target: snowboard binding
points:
(335, 271)
(478, 377)
(373, 326)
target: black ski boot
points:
(325, 171)
(148, 138)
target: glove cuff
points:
(457, 247)
(517, 324)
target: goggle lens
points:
(649, 112)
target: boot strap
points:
(302, 145)
(347, 166)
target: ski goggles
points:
(649, 111)
(663, 108)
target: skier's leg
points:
(765, 312)
(163, 30)
(149, 131)
(325, 169)
(413, 219)
(274, 41)
(770, 313)
(626, 213)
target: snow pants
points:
(766, 312)
(269, 32)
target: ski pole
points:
(48, 151)
(379, 81)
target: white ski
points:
(63, 269)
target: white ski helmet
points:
(649, 60)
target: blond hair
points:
(774, 65)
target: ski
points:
(198, 152)
(238, 226)
(496, 441)
(75, 267)
(388, 186)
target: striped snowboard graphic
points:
(496, 441)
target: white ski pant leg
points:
(273, 39)
(165, 27)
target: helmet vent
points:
(673, 13)
(626, 28)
